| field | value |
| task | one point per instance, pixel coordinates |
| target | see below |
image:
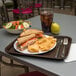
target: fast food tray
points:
(49, 55)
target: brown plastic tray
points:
(49, 55)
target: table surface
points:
(68, 27)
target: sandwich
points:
(30, 31)
(28, 37)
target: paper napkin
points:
(72, 53)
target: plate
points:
(27, 52)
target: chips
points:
(33, 48)
(46, 43)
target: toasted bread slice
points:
(25, 38)
(30, 31)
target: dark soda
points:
(46, 21)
